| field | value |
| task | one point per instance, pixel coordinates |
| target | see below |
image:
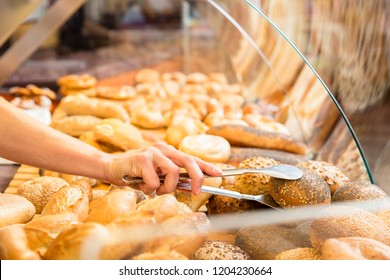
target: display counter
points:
(242, 84)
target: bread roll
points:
(180, 233)
(75, 125)
(219, 250)
(80, 242)
(77, 81)
(15, 209)
(119, 134)
(358, 191)
(207, 147)
(117, 203)
(300, 254)
(83, 105)
(116, 93)
(68, 200)
(164, 206)
(147, 75)
(42, 230)
(310, 189)
(182, 126)
(39, 190)
(161, 253)
(266, 242)
(343, 221)
(14, 244)
(354, 248)
(384, 215)
(147, 116)
(239, 135)
(332, 175)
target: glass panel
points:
(274, 71)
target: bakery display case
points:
(243, 84)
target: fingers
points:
(194, 166)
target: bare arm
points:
(27, 141)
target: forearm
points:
(26, 141)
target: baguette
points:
(245, 136)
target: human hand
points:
(159, 159)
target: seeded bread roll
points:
(266, 242)
(354, 248)
(310, 189)
(300, 254)
(343, 221)
(218, 204)
(219, 250)
(358, 191)
(39, 190)
(254, 184)
(15, 209)
(332, 175)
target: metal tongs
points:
(282, 171)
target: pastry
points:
(77, 81)
(147, 75)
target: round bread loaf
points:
(332, 175)
(219, 250)
(354, 248)
(39, 190)
(207, 147)
(251, 183)
(15, 209)
(343, 221)
(14, 244)
(300, 254)
(310, 189)
(266, 242)
(358, 191)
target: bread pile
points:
(168, 107)
(74, 224)
(60, 216)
